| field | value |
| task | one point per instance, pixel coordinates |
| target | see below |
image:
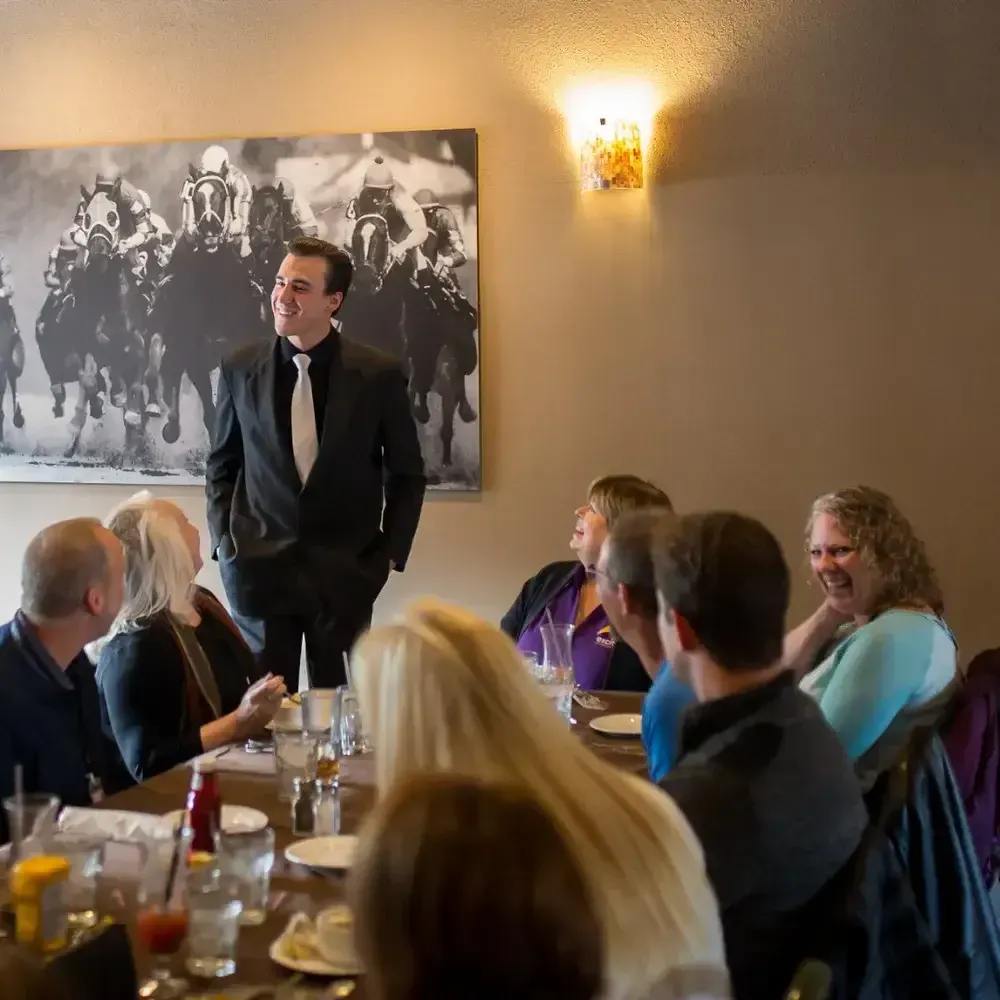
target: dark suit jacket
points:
(324, 547)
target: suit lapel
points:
(345, 384)
(263, 386)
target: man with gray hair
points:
(72, 578)
(627, 589)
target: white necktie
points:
(305, 443)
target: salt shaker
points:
(326, 809)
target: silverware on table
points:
(622, 747)
(258, 746)
(587, 700)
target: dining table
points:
(294, 888)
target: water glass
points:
(35, 821)
(214, 910)
(295, 756)
(320, 714)
(556, 670)
(85, 856)
(162, 919)
(249, 859)
(353, 740)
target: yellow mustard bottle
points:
(36, 888)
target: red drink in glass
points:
(162, 931)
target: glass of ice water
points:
(85, 855)
(214, 910)
(320, 715)
(353, 739)
(556, 683)
(249, 859)
(295, 756)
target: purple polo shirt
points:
(593, 642)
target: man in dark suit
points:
(315, 481)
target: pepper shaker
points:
(303, 817)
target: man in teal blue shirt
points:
(626, 586)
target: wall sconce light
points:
(611, 156)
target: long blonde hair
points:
(159, 570)
(442, 690)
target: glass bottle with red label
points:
(203, 811)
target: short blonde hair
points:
(442, 690)
(612, 496)
(887, 542)
(159, 570)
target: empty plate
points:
(235, 819)
(617, 725)
(323, 852)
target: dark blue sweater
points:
(50, 723)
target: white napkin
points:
(111, 824)
(237, 760)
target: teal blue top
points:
(879, 681)
(662, 709)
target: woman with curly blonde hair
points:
(443, 691)
(889, 661)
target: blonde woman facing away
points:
(175, 677)
(887, 660)
(444, 691)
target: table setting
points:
(258, 909)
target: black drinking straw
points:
(174, 862)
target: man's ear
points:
(93, 601)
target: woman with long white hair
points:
(442, 690)
(176, 678)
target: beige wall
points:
(805, 296)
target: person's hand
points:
(829, 618)
(834, 616)
(261, 702)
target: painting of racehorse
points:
(128, 272)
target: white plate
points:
(315, 966)
(617, 725)
(235, 819)
(323, 852)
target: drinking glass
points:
(214, 909)
(295, 756)
(34, 822)
(328, 761)
(556, 669)
(86, 858)
(320, 714)
(249, 858)
(162, 920)
(353, 740)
